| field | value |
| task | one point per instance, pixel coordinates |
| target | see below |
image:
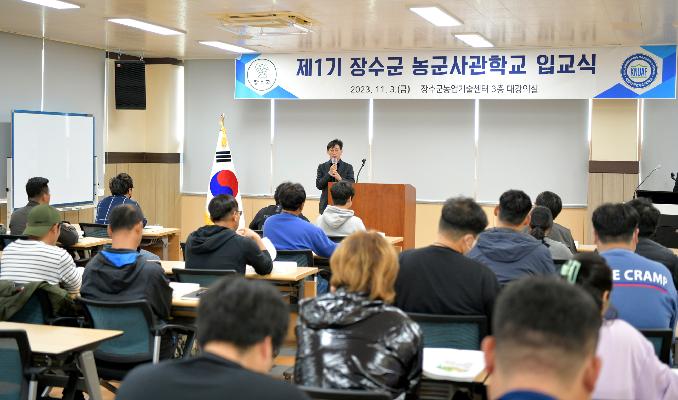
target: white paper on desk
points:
(271, 249)
(181, 289)
(453, 364)
(152, 227)
(279, 267)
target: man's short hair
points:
(292, 197)
(242, 312)
(615, 223)
(342, 191)
(545, 324)
(649, 216)
(37, 186)
(124, 217)
(551, 201)
(461, 216)
(514, 205)
(120, 184)
(276, 194)
(221, 206)
(335, 142)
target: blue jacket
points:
(289, 232)
(512, 255)
(108, 203)
(644, 294)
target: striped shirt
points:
(108, 203)
(26, 261)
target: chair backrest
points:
(464, 332)
(335, 394)
(5, 240)
(132, 317)
(203, 277)
(303, 258)
(15, 355)
(336, 239)
(661, 340)
(94, 230)
(37, 310)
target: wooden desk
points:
(88, 243)
(58, 341)
(584, 248)
(169, 240)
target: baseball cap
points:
(41, 219)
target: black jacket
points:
(654, 251)
(108, 277)
(347, 341)
(205, 377)
(323, 178)
(217, 247)
(257, 223)
(17, 223)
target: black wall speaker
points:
(130, 85)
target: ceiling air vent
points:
(266, 24)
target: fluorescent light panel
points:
(436, 16)
(474, 40)
(160, 30)
(61, 5)
(226, 46)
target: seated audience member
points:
(631, 369)
(509, 252)
(644, 294)
(221, 246)
(38, 258)
(544, 340)
(121, 194)
(289, 232)
(559, 233)
(38, 193)
(257, 223)
(120, 273)
(339, 219)
(541, 224)
(439, 279)
(241, 326)
(647, 226)
(352, 338)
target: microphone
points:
(357, 178)
(659, 166)
(673, 176)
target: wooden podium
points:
(388, 208)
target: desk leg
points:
(165, 248)
(89, 372)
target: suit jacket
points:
(323, 178)
(563, 235)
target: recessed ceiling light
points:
(161, 30)
(474, 40)
(226, 46)
(61, 5)
(436, 16)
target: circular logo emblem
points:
(224, 182)
(639, 71)
(261, 75)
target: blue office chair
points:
(38, 310)
(661, 340)
(17, 379)
(203, 277)
(316, 393)
(464, 332)
(94, 230)
(138, 345)
(5, 240)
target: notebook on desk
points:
(453, 364)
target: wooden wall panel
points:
(607, 188)
(3, 214)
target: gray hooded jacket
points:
(337, 221)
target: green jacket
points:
(13, 298)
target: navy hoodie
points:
(512, 255)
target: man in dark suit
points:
(334, 170)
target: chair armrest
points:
(78, 322)
(160, 329)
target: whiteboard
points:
(56, 146)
